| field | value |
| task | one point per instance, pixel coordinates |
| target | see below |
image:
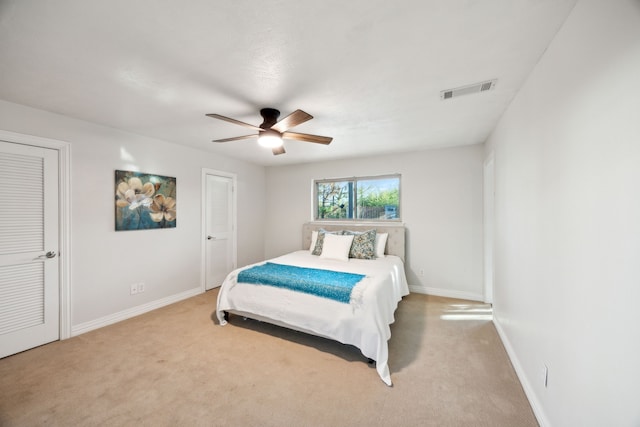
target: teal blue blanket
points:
(334, 285)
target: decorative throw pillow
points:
(364, 244)
(336, 247)
(381, 242)
(314, 239)
(317, 249)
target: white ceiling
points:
(370, 72)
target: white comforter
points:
(364, 322)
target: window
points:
(367, 198)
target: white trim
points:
(536, 406)
(132, 312)
(386, 223)
(448, 293)
(64, 226)
(488, 226)
(203, 221)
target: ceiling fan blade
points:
(308, 138)
(278, 150)
(235, 138)
(293, 119)
(238, 122)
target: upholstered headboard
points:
(395, 241)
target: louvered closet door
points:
(29, 291)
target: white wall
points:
(441, 208)
(567, 283)
(103, 262)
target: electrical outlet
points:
(134, 289)
(421, 272)
(140, 287)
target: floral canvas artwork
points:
(144, 201)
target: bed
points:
(362, 321)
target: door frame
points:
(64, 211)
(489, 226)
(203, 226)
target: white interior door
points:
(220, 256)
(29, 267)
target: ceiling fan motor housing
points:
(270, 116)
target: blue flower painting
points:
(144, 201)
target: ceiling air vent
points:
(465, 90)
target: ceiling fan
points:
(271, 131)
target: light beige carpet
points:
(175, 366)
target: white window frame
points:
(355, 180)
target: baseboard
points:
(526, 384)
(446, 293)
(132, 312)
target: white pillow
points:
(336, 247)
(314, 239)
(381, 242)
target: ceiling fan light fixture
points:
(270, 139)
(272, 130)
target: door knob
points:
(211, 238)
